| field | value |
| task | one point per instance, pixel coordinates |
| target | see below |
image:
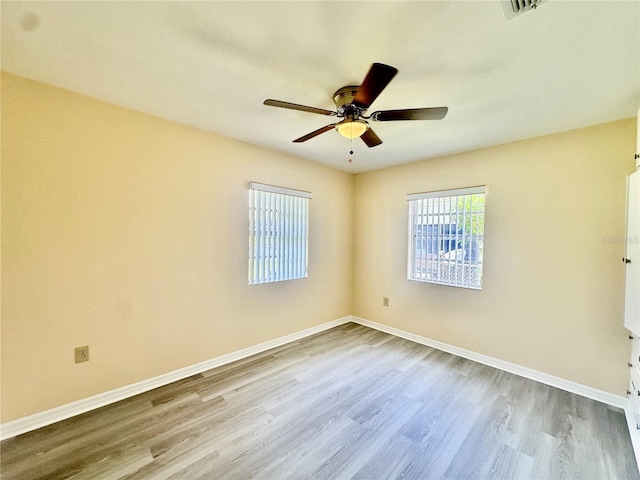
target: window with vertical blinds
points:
(446, 237)
(278, 233)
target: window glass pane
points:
(446, 237)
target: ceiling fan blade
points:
(377, 79)
(370, 138)
(436, 113)
(315, 133)
(295, 106)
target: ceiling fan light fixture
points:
(352, 128)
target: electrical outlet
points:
(82, 354)
(385, 301)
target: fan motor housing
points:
(343, 98)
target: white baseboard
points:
(38, 420)
(579, 389)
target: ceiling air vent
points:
(513, 8)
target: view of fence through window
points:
(446, 237)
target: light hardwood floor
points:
(350, 402)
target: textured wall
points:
(129, 233)
(553, 278)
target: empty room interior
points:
(319, 240)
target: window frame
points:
(460, 266)
(278, 234)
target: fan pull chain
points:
(351, 150)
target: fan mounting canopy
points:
(344, 96)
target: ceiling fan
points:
(352, 103)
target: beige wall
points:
(129, 233)
(553, 277)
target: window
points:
(446, 237)
(278, 233)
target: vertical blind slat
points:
(304, 238)
(427, 254)
(288, 224)
(261, 224)
(279, 232)
(252, 235)
(439, 225)
(466, 259)
(296, 224)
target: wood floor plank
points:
(353, 455)
(350, 402)
(116, 465)
(430, 439)
(390, 461)
(72, 457)
(43, 440)
(550, 460)
(484, 446)
(269, 367)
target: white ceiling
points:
(565, 65)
